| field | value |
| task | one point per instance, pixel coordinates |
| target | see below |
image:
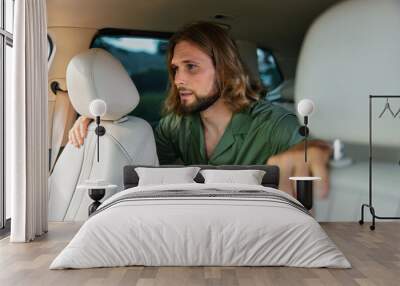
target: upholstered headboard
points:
(270, 179)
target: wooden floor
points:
(374, 255)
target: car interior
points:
(275, 54)
(109, 203)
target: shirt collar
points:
(240, 124)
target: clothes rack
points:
(370, 204)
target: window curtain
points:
(27, 123)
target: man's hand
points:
(78, 132)
(291, 163)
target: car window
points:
(49, 47)
(144, 58)
(270, 74)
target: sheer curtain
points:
(27, 123)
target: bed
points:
(201, 223)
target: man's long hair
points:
(232, 79)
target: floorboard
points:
(374, 255)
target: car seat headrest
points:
(96, 74)
(350, 52)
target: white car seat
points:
(350, 52)
(128, 140)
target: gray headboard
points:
(270, 179)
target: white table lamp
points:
(305, 108)
(304, 185)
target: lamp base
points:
(304, 190)
(96, 195)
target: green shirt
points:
(251, 137)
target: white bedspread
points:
(177, 231)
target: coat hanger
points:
(387, 107)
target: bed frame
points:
(270, 179)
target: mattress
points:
(201, 225)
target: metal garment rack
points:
(369, 205)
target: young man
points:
(214, 116)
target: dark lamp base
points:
(304, 189)
(96, 195)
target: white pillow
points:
(249, 177)
(162, 176)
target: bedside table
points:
(96, 191)
(304, 190)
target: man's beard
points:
(200, 104)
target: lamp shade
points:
(98, 107)
(305, 107)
